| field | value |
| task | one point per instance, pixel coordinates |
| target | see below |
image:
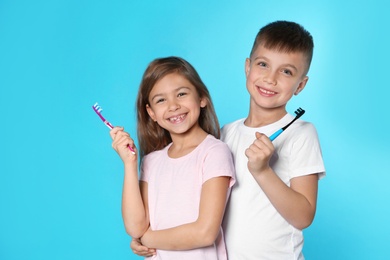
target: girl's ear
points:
(301, 85)
(203, 102)
(151, 113)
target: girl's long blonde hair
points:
(151, 136)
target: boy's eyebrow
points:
(284, 65)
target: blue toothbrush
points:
(299, 112)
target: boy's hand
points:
(259, 154)
(140, 249)
(121, 142)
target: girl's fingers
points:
(122, 142)
(140, 249)
(115, 130)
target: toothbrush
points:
(98, 111)
(299, 112)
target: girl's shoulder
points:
(212, 146)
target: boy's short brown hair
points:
(287, 37)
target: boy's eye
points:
(262, 64)
(288, 72)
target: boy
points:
(276, 187)
(275, 194)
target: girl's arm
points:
(297, 203)
(134, 195)
(201, 233)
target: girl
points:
(186, 172)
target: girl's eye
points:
(182, 94)
(160, 100)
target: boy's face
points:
(272, 77)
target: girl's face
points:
(175, 104)
(272, 77)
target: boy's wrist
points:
(264, 173)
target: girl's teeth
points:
(176, 118)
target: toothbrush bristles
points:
(98, 108)
(299, 112)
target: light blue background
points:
(60, 180)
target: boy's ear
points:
(247, 66)
(301, 85)
(151, 113)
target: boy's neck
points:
(264, 117)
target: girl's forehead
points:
(171, 83)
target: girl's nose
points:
(173, 105)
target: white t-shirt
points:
(174, 190)
(253, 228)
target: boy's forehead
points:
(278, 50)
(296, 56)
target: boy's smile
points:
(266, 92)
(274, 76)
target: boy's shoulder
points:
(230, 129)
(233, 124)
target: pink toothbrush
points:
(98, 111)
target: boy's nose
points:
(270, 78)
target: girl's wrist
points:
(130, 166)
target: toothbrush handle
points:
(109, 125)
(276, 134)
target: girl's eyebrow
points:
(175, 90)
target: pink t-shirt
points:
(174, 190)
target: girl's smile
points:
(177, 119)
(175, 104)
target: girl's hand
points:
(121, 143)
(259, 154)
(140, 249)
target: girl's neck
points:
(183, 144)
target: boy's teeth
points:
(266, 91)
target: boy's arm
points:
(200, 233)
(297, 203)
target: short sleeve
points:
(306, 155)
(218, 161)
